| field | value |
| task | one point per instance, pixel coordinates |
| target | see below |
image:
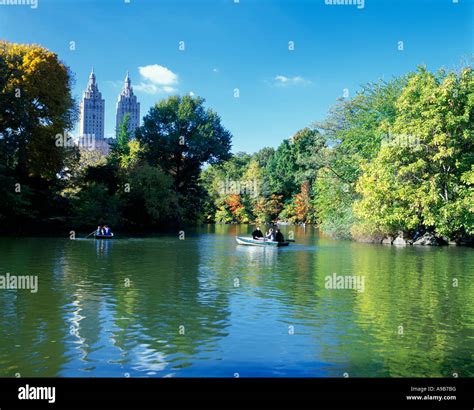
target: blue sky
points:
(245, 45)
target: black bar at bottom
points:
(350, 393)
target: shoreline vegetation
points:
(392, 164)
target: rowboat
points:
(104, 236)
(242, 240)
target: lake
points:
(205, 306)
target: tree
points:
(332, 204)
(180, 135)
(267, 209)
(422, 177)
(302, 203)
(36, 106)
(308, 145)
(355, 128)
(282, 169)
(232, 188)
(94, 204)
(120, 148)
(263, 156)
(151, 200)
(353, 134)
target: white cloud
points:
(156, 79)
(158, 74)
(284, 81)
(216, 70)
(191, 94)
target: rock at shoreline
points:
(388, 240)
(427, 239)
(399, 241)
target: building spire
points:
(92, 109)
(127, 104)
(92, 83)
(127, 87)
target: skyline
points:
(289, 61)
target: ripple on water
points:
(116, 308)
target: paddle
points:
(90, 233)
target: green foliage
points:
(308, 145)
(333, 203)
(424, 182)
(151, 200)
(180, 136)
(355, 128)
(288, 213)
(155, 185)
(268, 208)
(227, 179)
(36, 105)
(281, 170)
(14, 205)
(119, 149)
(93, 205)
(263, 156)
(398, 156)
(353, 134)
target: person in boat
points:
(279, 236)
(107, 231)
(257, 234)
(270, 235)
(99, 230)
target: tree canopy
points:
(35, 107)
(397, 157)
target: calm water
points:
(205, 306)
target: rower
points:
(279, 236)
(257, 234)
(270, 235)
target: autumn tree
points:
(36, 113)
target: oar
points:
(90, 233)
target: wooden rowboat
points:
(242, 240)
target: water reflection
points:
(258, 256)
(208, 307)
(102, 246)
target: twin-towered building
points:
(127, 104)
(93, 112)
